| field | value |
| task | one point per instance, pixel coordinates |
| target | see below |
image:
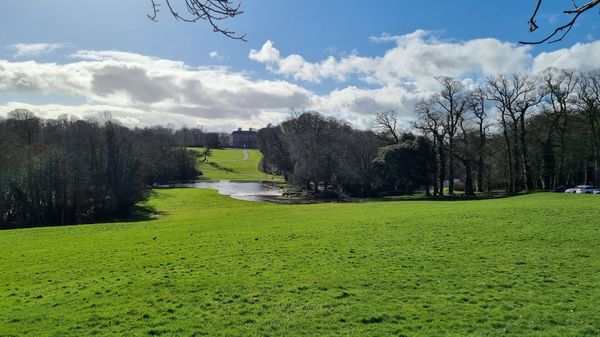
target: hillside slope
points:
(211, 265)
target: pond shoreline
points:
(259, 191)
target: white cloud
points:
(384, 38)
(153, 91)
(406, 72)
(267, 54)
(144, 90)
(297, 67)
(34, 49)
(581, 56)
(213, 54)
(416, 57)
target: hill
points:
(234, 164)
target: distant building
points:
(243, 139)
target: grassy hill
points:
(234, 164)
(215, 266)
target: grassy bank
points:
(211, 265)
(233, 164)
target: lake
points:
(251, 191)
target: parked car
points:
(574, 189)
(597, 191)
(586, 189)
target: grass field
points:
(215, 266)
(232, 164)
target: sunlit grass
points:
(230, 164)
(215, 266)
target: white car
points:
(597, 191)
(585, 189)
(571, 190)
(574, 189)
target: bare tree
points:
(452, 101)
(465, 153)
(560, 86)
(560, 32)
(589, 105)
(212, 11)
(387, 123)
(477, 106)
(26, 122)
(515, 95)
(431, 122)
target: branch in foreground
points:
(563, 30)
(212, 11)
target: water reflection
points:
(251, 191)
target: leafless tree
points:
(515, 95)
(26, 122)
(477, 106)
(560, 32)
(431, 123)
(560, 86)
(452, 101)
(588, 102)
(212, 11)
(387, 124)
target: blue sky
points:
(365, 74)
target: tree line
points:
(512, 132)
(70, 171)
(198, 137)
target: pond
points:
(251, 191)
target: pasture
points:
(207, 264)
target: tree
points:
(212, 11)
(589, 106)
(515, 95)
(406, 163)
(560, 86)
(477, 106)
(69, 171)
(25, 122)
(453, 102)
(560, 32)
(430, 121)
(386, 123)
(320, 153)
(273, 145)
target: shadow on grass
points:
(138, 213)
(454, 197)
(220, 167)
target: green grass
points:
(230, 164)
(215, 266)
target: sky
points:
(347, 59)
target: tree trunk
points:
(524, 157)
(510, 182)
(480, 162)
(434, 167)
(451, 166)
(468, 179)
(442, 155)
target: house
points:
(243, 139)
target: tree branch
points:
(560, 31)
(212, 11)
